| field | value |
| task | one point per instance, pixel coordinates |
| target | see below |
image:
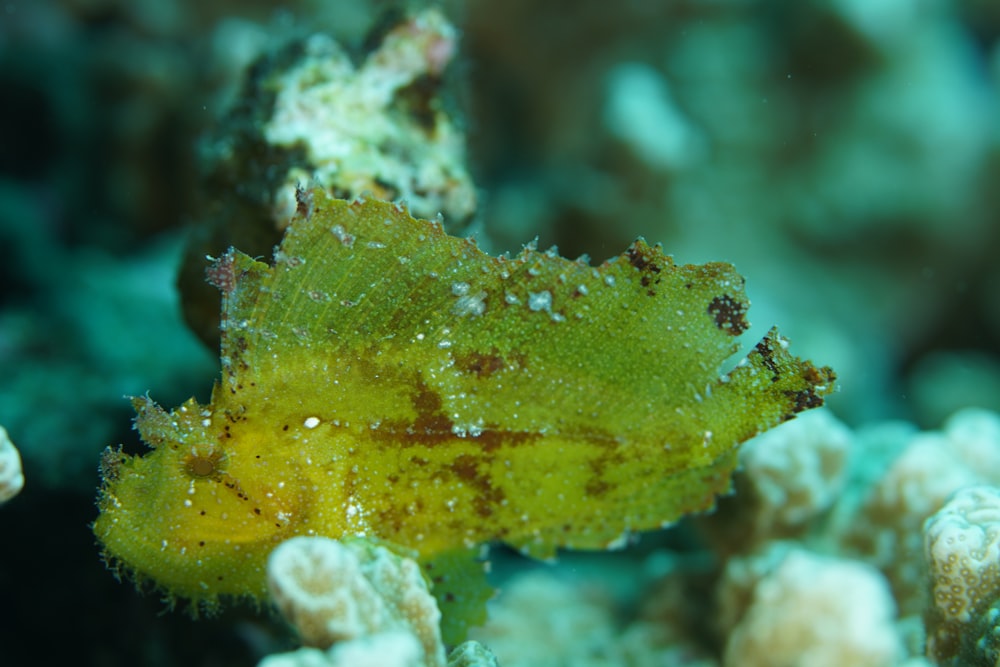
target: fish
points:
(383, 380)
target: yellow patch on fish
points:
(383, 379)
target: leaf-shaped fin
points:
(459, 584)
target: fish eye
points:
(203, 465)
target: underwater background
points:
(843, 155)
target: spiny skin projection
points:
(382, 379)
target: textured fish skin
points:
(386, 380)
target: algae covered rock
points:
(315, 111)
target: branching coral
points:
(886, 530)
(384, 649)
(788, 476)
(356, 604)
(817, 611)
(539, 609)
(896, 478)
(334, 592)
(546, 617)
(472, 654)
(796, 471)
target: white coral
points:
(359, 134)
(538, 611)
(973, 436)
(932, 466)
(472, 654)
(962, 544)
(11, 476)
(818, 611)
(544, 618)
(386, 649)
(337, 594)
(797, 470)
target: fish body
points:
(385, 380)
